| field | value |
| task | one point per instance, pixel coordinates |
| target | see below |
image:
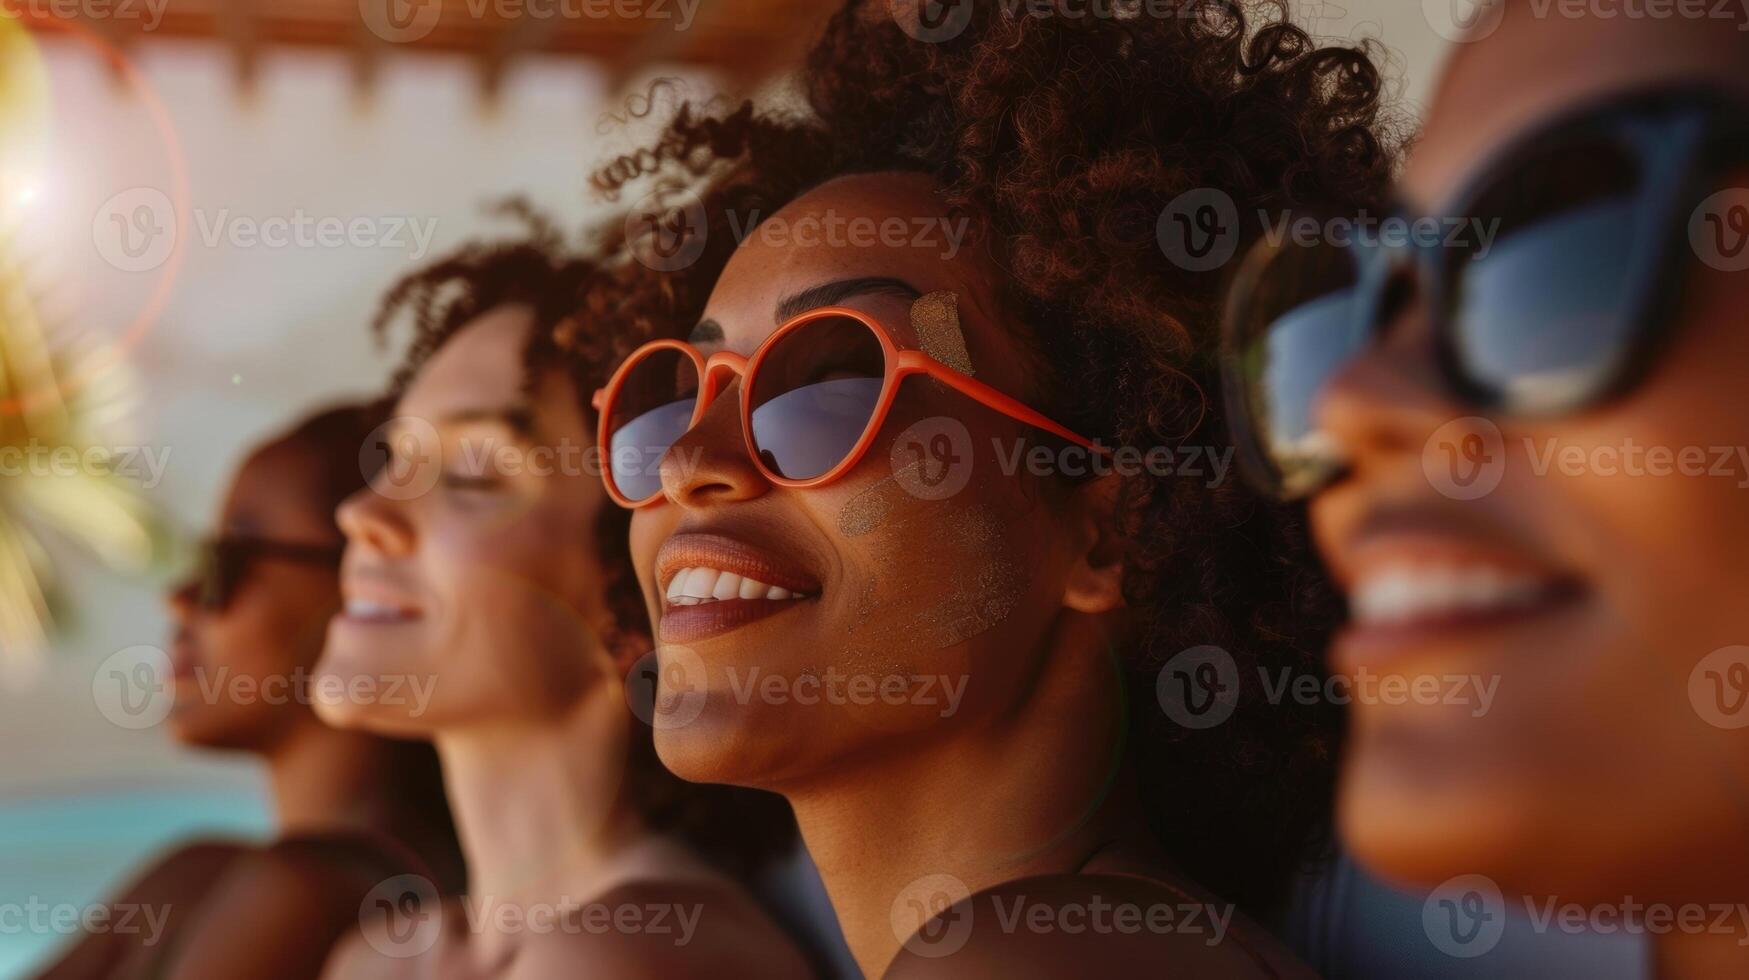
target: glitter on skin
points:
(936, 319)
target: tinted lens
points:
(1296, 322)
(652, 410)
(1540, 317)
(814, 394)
(217, 571)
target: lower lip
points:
(1372, 645)
(377, 619)
(687, 624)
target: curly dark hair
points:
(738, 830)
(1063, 140)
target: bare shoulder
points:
(184, 873)
(164, 891)
(1091, 925)
(677, 929)
(277, 910)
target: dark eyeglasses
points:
(225, 561)
(1561, 310)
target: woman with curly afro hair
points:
(1005, 634)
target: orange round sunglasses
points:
(813, 397)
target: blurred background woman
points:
(486, 557)
(1526, 455)
(352, 808)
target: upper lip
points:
(707, 550)
(372, 586)
(1421, 537)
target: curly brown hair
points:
(568, 292)
(1063, 140)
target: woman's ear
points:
(1095, 581)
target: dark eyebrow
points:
(838, 290)
(707, 332)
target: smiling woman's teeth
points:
(693, 586)
(1401, 593)
(366, 609)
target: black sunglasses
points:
(225, 561)
(1552, 301)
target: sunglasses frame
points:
(1670, 132)
(215, 590)
(898, 364)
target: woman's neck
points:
(539, 808)
(1034, 793)
(324, 780)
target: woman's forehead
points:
(1533, 68)
(873, 242)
